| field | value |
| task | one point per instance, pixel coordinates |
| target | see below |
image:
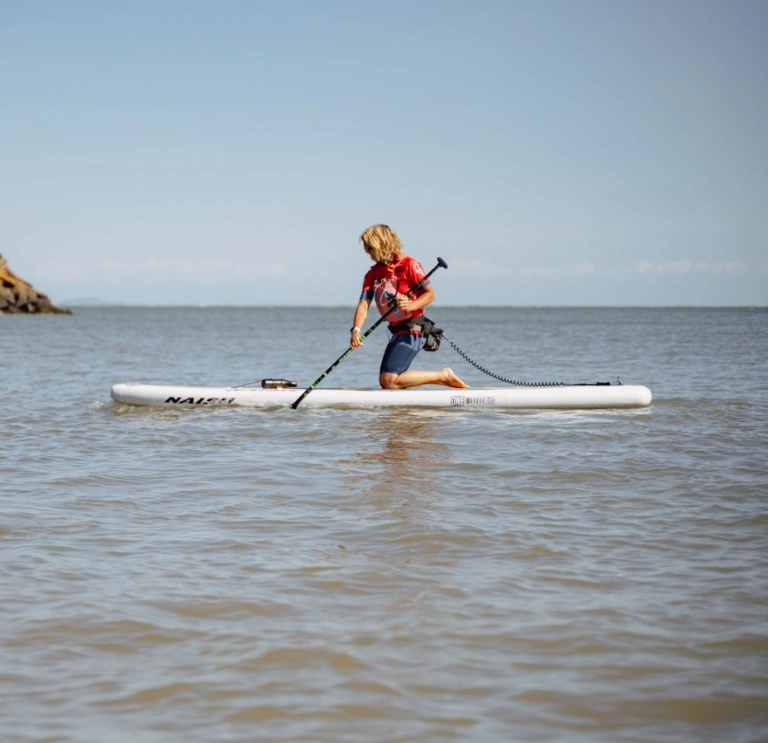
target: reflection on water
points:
(399, 452)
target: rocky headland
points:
(17, 295)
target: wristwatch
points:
(354, 329)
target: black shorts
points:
(400, 353)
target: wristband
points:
(355, 329)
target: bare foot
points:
(452, 380)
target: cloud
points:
(643, 267)
(683, 266)
(202, 272)
(687, 266)
(721, 267)
(616, 272)
(583, 269)
(539, 273)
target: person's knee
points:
(388, 380)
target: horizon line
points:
(125, 305)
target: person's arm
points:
(411, 305)
(361, 312)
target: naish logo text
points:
(458, 400)
(201, 401)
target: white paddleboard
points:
(590, 396)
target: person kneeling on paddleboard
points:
(389, 283)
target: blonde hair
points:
(381, 243)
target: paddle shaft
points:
(440, 264)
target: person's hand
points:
(355, 340)
(404, 304)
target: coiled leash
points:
(513, 382)
(433, 335)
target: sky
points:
(553, 153)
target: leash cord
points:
(513, 382)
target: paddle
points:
(440, 264)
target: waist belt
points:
(409, 325)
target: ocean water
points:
(363, 575)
